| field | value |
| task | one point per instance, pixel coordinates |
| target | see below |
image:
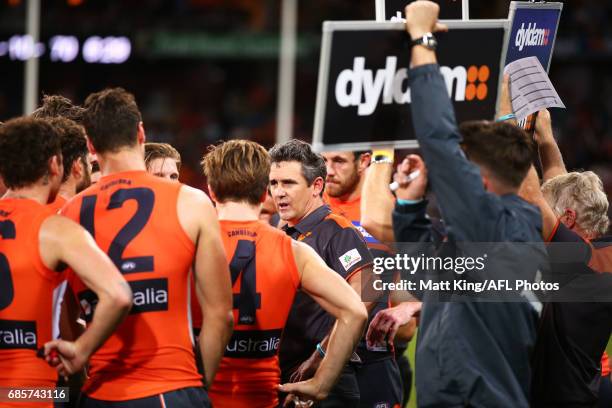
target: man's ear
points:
(485, 181)
(263, 198)
(318, 185)
(364, 161)
(211, 193)
(90, 147)
(78, 169)
(142, 138)
(55, 166)
(569, 218)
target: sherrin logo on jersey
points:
(531, 36)
(363, 88)
(15, 334)
(350, 258)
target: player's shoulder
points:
(58, 225)
(25, 210)
(270, 231)
(335, 223)
(192, 198)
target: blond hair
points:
(237, 170)
(582, 192)
(161, 151)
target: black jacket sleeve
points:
(469, 212)
(410, 224)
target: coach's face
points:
(293, 197)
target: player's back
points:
(29, 296)
(265, 279)
(133, 218)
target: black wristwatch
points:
(427, 40)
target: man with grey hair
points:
(579, 201)
(572, 336)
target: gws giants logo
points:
(531, 36)
(363, 88)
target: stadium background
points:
(206, 70)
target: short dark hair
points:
(161, 151)
(237, 170)
(111, 119)
(54, 106)
(359, 153)
(313, 164)
(26, 145)
(503, 148)
(73, 141)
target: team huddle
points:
(138, 291)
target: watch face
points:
(431, 42)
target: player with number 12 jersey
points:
(153, 230)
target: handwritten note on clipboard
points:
(530, 88)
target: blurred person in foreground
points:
(568, 367)
(379, 377)
(297, 181)
(162, 160)
(154, 231)
(268, 268)
(36, 247)
(469, 353)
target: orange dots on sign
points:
(472, 73)
(470, 92)
(14, 3)
(477, 78)
(481, 91)
(74, 3)
(483, 73)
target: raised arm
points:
(212, 276)
(334, 295)
(465, 204)
(531, 192)
(377, 202)
(62, 240)
(550, 155)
